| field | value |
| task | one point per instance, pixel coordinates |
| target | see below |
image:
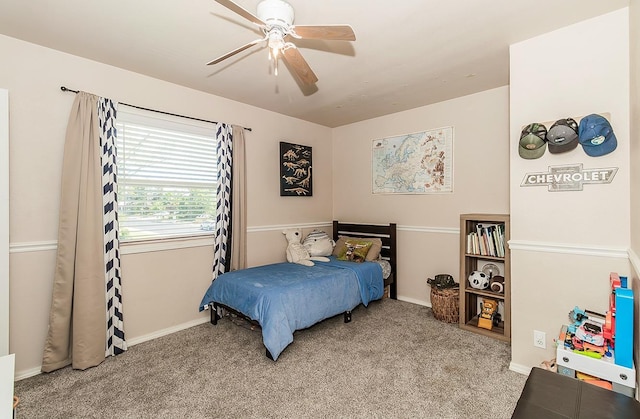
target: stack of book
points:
(487, 240)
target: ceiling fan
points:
(275, 18)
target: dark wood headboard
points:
(387, 233)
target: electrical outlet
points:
(539, 339)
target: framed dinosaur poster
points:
(295, 170)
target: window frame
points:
(162, 121)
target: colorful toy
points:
(591, 333)
(577, 316)
(593, 348)
(618, 328)
(610, 323)
(489, 309)
(575, 343)
(594, 380)
(588, 353)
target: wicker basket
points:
(445, 304)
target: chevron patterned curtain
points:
(85, 319)
(116, 343)
(224, 141)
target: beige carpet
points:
(394, 360)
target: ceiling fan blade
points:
(329, 32)
(241, 11)
(299, 66)
(235, 51)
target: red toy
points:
(609, 329)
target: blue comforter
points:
(285, 297)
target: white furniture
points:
(7, 375)
(623, 379)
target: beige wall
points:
(428, 225)
(162, 289)
(564, 244)
(555, 265)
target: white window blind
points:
(166, 176)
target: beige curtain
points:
(239, 202)
(77, 326)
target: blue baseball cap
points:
(596, 136)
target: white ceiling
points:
(407, 53)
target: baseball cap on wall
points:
(533, 141)
(563, 136)
(596, 135)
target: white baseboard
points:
(414, 301)
(519, 368)
(21, 375)
(167, 331)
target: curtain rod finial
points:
(66, 89)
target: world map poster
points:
(418, 163)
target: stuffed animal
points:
(318, 243)
(296, 252)
(355, 251)
(497, 283)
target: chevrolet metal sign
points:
(569, 178)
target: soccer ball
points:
(479, 280)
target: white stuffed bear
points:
(318, 243)
(296, 252)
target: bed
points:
(284, 297)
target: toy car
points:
(590, 332)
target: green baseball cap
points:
(533, 141)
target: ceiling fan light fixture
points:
(276, 44)
(276, 39)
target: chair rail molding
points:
(567, 248)
(207, 240)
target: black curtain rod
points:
(65, 89)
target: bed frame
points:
(387, 233)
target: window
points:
(166, 176)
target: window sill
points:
(165, 244)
